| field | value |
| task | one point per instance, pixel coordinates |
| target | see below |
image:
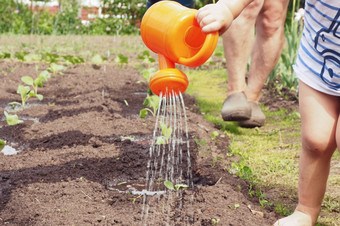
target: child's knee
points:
(318, 145)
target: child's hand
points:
(214, 17)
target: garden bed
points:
(84, 146)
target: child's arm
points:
(219, 16)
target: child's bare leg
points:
(320, 134)
(319, 117)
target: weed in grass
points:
(331, 204)
(282, 209)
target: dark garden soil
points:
(75, 161)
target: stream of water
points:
(169, 156)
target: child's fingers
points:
(206, 20)
(212, 27)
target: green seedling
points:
(121, 59)
(25, 93)
(2, 144)
(50, 57)
(166, 134)
(215, 221)
(97, 59)
(145, 56)
(56, 69)
(148, 72)
(21, 55)
(134, 199)
(236, 205)
(12, 120)
(214, 135)
(73, 59)
(151, 101)
(42, 77)
(169, 185)
(5, 55)
(31, 57)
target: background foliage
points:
(121, 17)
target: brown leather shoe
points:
(236, 108)
(257, 118)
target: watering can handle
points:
(209, 45)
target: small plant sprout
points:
(151, 101)
(56, 69)
(166, 134)
(215, 221)
(234, 207)
(73, 59)
(214, 135)
(97, 59)
(135, 198)
(169, 185)
(145, 56)
(2, 144)
(12, 120)
(121, 59)
(25, 93)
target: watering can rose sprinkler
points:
(171, 30)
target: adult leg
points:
(268, 45)
(320, 119)
(238, 41)
(265, 54)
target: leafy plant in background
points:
(121, 59)
(145, 56)
(12, 120)
(293, 33)
(50, 57)
(70, 59)
(97, 59)
(151, 101)
(56, 69)
(5, 55)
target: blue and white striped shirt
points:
(318, 61)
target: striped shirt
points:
(318, 60)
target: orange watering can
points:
(171, 30)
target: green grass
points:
(268, 155)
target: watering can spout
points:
(164, 62)
(171, 30)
